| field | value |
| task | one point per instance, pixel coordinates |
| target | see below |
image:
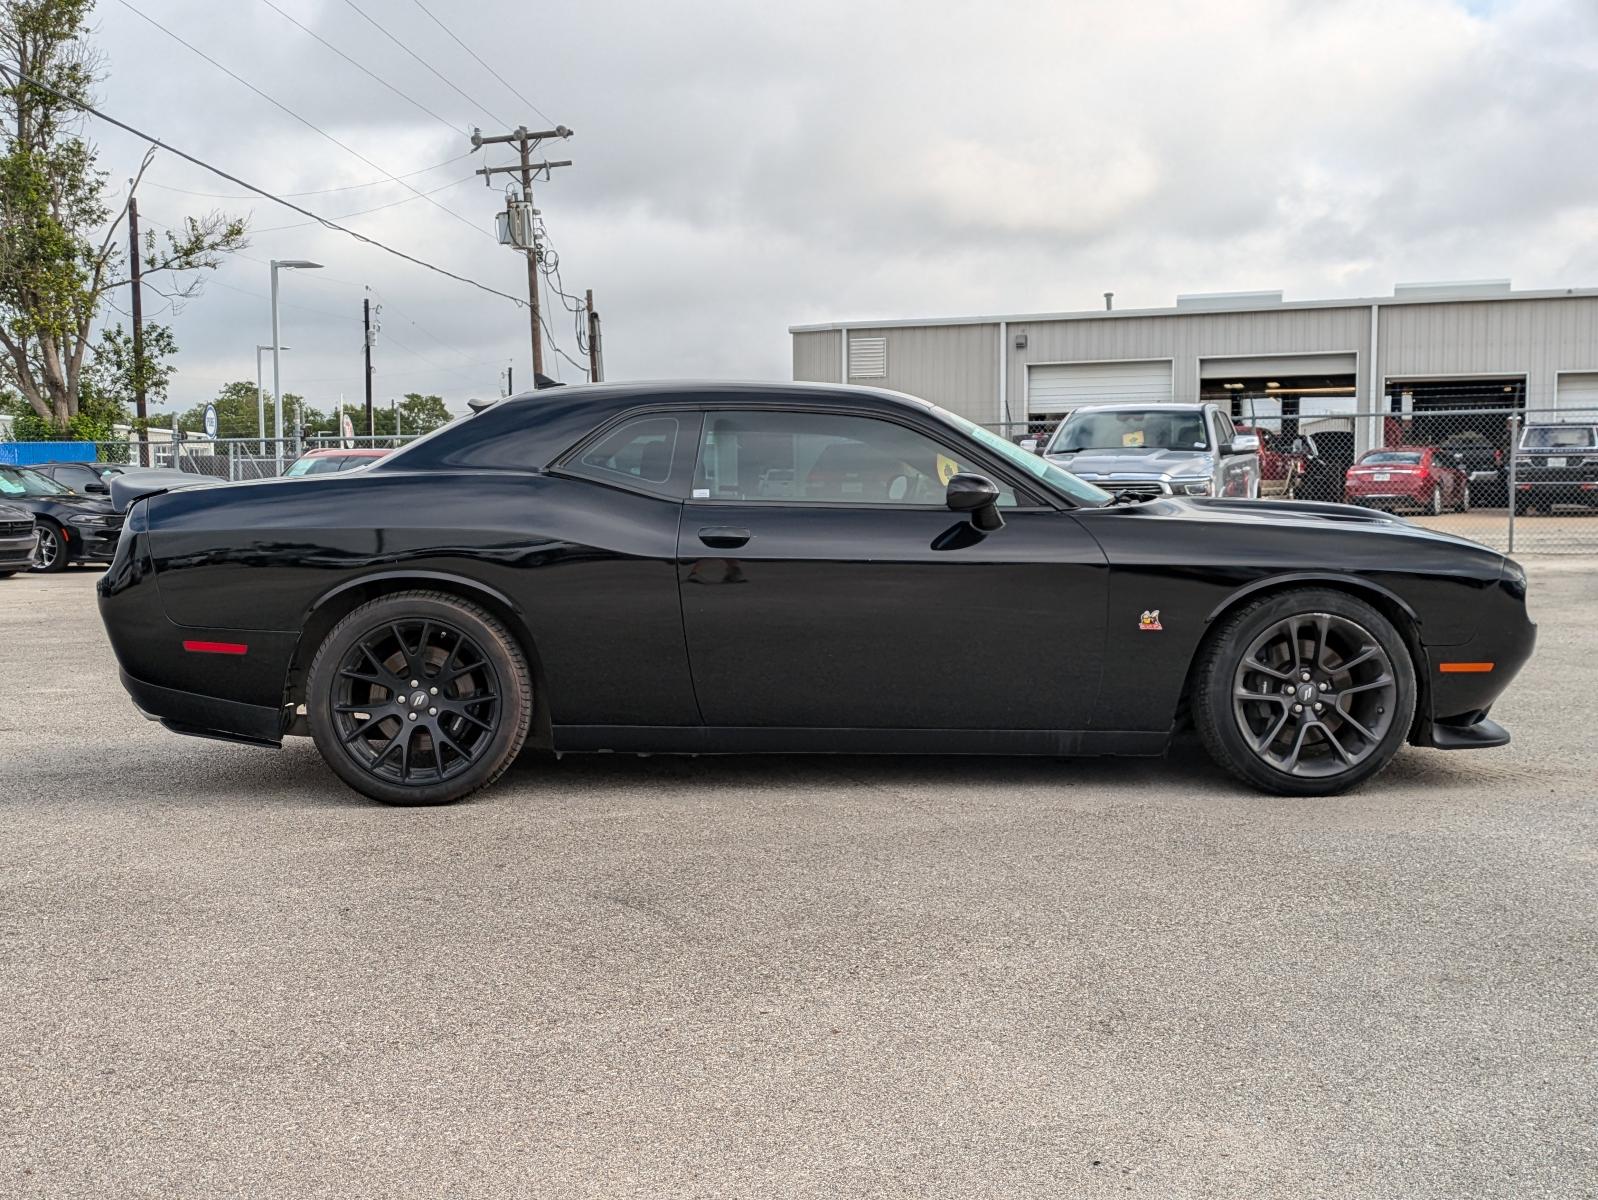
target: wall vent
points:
(868, 357)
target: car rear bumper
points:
(205, 716)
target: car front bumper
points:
(17, 553)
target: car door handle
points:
(723, 538)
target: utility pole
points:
(139, 406)
(596, 361)
(366, 345)
(524, 238)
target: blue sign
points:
(210, 421)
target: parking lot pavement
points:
(224, 974)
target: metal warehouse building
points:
(1425, 347)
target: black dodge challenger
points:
(715, 568)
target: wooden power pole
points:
(366, 345)
(596, 361)
(139, 405)
(526, 142)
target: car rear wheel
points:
(51, 553)
(1435, 508)
(419, 698)
(1305, 693)
(1464, 499)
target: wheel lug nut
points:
(1325, 686)
(415, 682)
(1298, 708)
(1318, 707)
(1304, 675)
(433, 712)
(432, 691)
(1287, 689)
(413, 716)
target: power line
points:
(378, 208)
(350, 187)
(302, 120)
(11, 72)
(384, 31)
(484, 65)
(369, 74)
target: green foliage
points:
(236, 412)
(417, 414)
(59, 250)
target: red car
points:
(1409, 477)
(332, 461)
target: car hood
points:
(60, 506)
(1305, 515)
(1136, 463)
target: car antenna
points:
(540, 382)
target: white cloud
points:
(742, 167)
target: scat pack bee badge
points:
(1149, 622)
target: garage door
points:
(1060, 387)
(1578, 393)
(1275, 366)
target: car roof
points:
(1128, 406)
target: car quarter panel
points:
(1188, 561)
(589, 569)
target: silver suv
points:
(1158, 450)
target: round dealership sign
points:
(210, 421)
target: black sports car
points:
(17, 540)
(71, 528)
(735, 568)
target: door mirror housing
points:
(1244, 443)
(977, 495)
(98, 488)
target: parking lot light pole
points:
(260, 399)
(293, 264)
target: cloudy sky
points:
(741, 167)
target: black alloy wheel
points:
(1305, 693)
(419, 698)
(50, 554)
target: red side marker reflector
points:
(215, 647)
(1464, 668)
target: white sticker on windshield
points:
(701, 493)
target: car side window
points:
(1223, 430)
(824, 458)
(641, 452)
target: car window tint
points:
(1554, 437)
(823, 458)
(639, 451)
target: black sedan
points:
(708, 568)
(71, 528)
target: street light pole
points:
(277, 348)
(260, 400)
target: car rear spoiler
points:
(130, 487)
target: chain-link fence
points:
(1521, 480)
(232, 459)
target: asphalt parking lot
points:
(224, 974)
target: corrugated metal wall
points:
(1535, 338)
(817, 357)
(1185, 338)
(956, 366)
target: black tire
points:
(471, 741)
(1435, 508)
(1224, 720)
(52, 552)
(6, 574)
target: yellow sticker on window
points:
(947, 469)
(1135, 438)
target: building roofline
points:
(1174, 311)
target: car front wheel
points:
(1305, 693)
(419, 698)
(51, 549)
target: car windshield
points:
(1385, 458)
(16, 481)
(1130, 429)
(1558, 437)
(1061, 480)
(320, 465)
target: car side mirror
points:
(977, 495)
(1030, 445)
(1244, 443)
(98, 488)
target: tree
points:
(417, 414)
(59, 250)
(237, 415)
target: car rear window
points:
(1558, 437)
(1387, 458)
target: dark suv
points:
(1556, 464)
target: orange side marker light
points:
(1463, 668)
